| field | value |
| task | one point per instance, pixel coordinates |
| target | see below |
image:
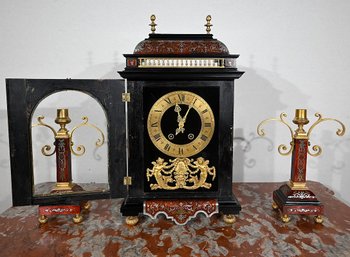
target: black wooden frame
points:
(23, 96)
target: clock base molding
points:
(180, 210)
(297, 201)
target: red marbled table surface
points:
(257, 232)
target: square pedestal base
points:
(290, 201)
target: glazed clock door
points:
(23, 96)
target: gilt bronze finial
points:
(208, 24)
(153, 24)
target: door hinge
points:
(126, 97)
(127, 181)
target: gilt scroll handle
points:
(282, 148)
(340, 132)
(45, 150)
(80, 148)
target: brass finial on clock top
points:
(208, 24)
(153, 24)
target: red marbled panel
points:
(59, 210)
(181, 47)
(63, 160)
(181, 211)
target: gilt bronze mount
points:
(181, 173)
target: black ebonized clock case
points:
(208, 70)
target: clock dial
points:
(180, 124)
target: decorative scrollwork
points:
(316, 148)
(282, 148)
(80, 148)
(41, 123)
(181, 173)
(46, 149)
(340, 131)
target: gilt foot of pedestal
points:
(229, 218)
(87, 206)
(77, 218)
(274, 206)
(285, 218)
(318, 219)
(43, 219)
(131, 220)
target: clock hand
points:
(178, 109)
(179, 120)
(182, 121)
(189, 108)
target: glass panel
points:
(89, 172)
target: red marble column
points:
(63, 160)
(299, 158)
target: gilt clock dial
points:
(180, 124)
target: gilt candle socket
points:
(301, 116)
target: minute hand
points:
(184, 118)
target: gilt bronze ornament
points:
(181, 173)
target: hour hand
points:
(178, 110)
(180, 120)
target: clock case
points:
(213, 81)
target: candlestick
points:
(294, 197)
(64, 149)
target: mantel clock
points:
(180, 127)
